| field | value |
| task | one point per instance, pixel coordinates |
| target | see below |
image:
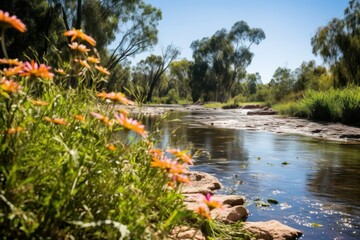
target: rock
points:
(191, 197)
(353, 136)
(262, 112)
(232, 200)
(252, 106)
(186, 233)
(195, 189)
(201, 183)
(271, 230)
(230, 214)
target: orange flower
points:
(33, 69)
(9, 86)
(178, 178)
(79, 118)
(6, 21)
(131, 124)
(93, 59)
(156, 152)
(38, 102)
(78, 33)
(60, 71)
(117, 97)
(15, 62)
(203, 211)
(123, 111)
(102, 70)
(167, 165)
(211, 203)
(83, 63)
(79, 47)
(102, 118)
(58, 121)
(8, 72)
(182, 155)
(111, 147)
(15, 130)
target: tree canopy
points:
(133, 20)
(338, 43)
(221, 60)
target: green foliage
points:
(220, 61)
(217, 230)
(134, 22)
(338, 43)
(334, 105)
(70, 170)
(295, 109)
(321, 106)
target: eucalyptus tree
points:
(251, 81)
(148, 72)
(282, 83)
(226, 56)
(179, 77)
(338, 43)
(309, 76)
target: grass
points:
(336, 105)
(74, 165)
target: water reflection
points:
(315, 182)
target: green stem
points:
(3, 43)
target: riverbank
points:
(271, 123)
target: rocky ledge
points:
(233, 211)
(255, 117)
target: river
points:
(316, 183)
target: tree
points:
(133, 20)
(282, 83)
(338, 43)
(252, 80)
(42, 21)
(180, 76)
(242, 38)
(227, 55)
(309, 76)
(150, 70)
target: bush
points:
(333, 105)
(321, 106)
(349, 100)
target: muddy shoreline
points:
(238, 119)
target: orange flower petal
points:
(57, 121)
(78, 33)
(102, 70)
(131, 124)
(9, 86)
(7, 21)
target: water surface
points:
(316, 183)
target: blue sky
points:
(288, 25)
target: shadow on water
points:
(317, 184)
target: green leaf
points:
(316, 225)
(273, 201)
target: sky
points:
(289, 26)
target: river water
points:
(316, 183)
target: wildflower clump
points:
(68, 166)
(175, 169)
(73, 167)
